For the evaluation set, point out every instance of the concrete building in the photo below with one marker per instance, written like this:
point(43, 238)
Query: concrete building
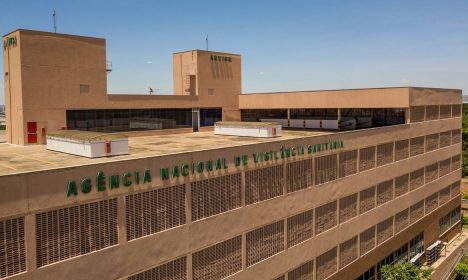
point(359, 178)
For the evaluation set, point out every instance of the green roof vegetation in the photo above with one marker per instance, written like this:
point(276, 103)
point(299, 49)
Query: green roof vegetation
point(248, 123)
point(85, 135)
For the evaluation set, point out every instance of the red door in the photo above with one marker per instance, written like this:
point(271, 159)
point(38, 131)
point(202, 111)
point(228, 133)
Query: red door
point(32, 132)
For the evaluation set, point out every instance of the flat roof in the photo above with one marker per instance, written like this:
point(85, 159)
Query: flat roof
point(24, 159)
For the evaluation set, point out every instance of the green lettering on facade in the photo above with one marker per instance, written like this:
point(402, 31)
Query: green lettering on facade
point(255, 157)
point(175, 171)
point(209, 165)
point(245, 159)
point(71, 188)
point(85, 185)
point(237, 160)
point(218, 164)
point(114, 182)
point(200, 167)
point(146, 176)
point(126, 179)
point(101, 181)
point(225, 165)
point(185, 171)
point(164, 173)
point(137, 177)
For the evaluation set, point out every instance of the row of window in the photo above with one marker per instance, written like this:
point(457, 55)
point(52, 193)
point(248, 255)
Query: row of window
point(225, 258)
point(402, 254)
point(449, 220)
point(434, 112)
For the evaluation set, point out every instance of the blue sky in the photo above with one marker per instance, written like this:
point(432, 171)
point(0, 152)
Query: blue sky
point(285, 45)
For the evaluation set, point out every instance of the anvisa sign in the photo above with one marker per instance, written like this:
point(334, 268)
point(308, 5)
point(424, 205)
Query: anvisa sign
point(10, 42)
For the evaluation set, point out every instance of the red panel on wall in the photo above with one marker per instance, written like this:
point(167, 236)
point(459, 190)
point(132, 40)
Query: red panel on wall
point(32, 127)
point(32, 138)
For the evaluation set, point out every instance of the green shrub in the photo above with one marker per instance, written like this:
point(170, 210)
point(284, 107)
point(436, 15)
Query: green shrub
point(461, 271)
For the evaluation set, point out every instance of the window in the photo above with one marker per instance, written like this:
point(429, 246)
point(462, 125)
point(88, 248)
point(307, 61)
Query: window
point(416, 245)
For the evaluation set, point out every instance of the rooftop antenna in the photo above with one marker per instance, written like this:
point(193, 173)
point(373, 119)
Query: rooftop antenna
point(206, 41)
point(55, 23)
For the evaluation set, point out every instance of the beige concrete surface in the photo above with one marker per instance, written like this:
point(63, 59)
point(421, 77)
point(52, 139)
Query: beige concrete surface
point(2, 136)
point(448, 255)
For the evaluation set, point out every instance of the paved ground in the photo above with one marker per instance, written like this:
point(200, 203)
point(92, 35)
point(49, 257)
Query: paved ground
point(2, 136)
point(19, 159)
point(445, 262)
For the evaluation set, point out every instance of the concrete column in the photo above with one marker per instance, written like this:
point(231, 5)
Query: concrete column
point(189, 267)
point(289, 117)
point(339, 118)
point(30, 240)
point(121, 223)
point(188, 204)
point(244, 251)
point(243, 188)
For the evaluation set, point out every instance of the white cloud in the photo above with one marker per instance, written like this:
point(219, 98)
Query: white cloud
point(261, 73)
point(149, 62)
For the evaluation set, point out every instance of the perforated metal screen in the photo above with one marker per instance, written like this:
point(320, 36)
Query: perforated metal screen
point(445, 139)
point(417, 113)
point(445, 111)
point(384, 153)
point(348, 251)
point(174, 270)
point(456, 110)
point(154, 211)
point(455, 189)
point(432, 112)
point(215, 195)
point(431, 172)
point(262, 184)
point(384, 230)
point(265, 242)
point(326, 168)
point(348, 207)
point(218, 261)
point(300, 228)
point(444, 195)
point(384, 192)
point(416, 146)
point(444, 167)
point(348, 163)
point(12, 247)
point(417, 179)
point(401, 185)
point(367, 158)
point(401, 220)
point(456, 136)
point(303, 272)
point(367, 240)
point(456, 163)
point(325, 217)
point(366, 200)
point(416, 211)
point(432, 142)
point(401, 149)
point(299, 175)
point(77, 230)
point(432, 202)
point(327, 264)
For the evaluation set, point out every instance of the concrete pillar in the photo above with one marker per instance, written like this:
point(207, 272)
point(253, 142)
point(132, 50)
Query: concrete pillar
point(339, 118)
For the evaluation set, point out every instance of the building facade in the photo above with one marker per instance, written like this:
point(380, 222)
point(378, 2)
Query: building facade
point(312, 204)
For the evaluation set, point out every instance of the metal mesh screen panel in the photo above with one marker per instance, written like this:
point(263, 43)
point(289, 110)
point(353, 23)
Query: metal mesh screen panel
point(348, 251)
point(299, 175)
point(445, 139)
point(366, 200)
point(432, 202)
point(265, 242)
point(456, 162)
point(154, 211)
point(455, 189)
point(445, 111)
point(432, 142)
point(416, 211)
point(416, 146)
point(326, 169)
point(262, 184)
point(401, 220)
point(325, 217)
point(348, 207)
point(384, 230)
point(432, 112)
point(416, 179)
point(77, 230)
point(218, 261)
point(367, 158)
point(456, 110)
point(12, 247)
point(401, 149)
point(444, 195)
point(431, 172)
point(384, 153)
point(456, 136)
point(384, 192)
point(174, 270)
point(444, 167)
point(348, 163)
point(417, 113)
point(300, 228)
point(367, 240)
point(327, 264)
point(303, 272)
point(401, 185)
point(215, 195)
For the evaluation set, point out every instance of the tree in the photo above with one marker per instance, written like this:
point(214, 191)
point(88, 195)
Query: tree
point(461, 270)
point(405, 271)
